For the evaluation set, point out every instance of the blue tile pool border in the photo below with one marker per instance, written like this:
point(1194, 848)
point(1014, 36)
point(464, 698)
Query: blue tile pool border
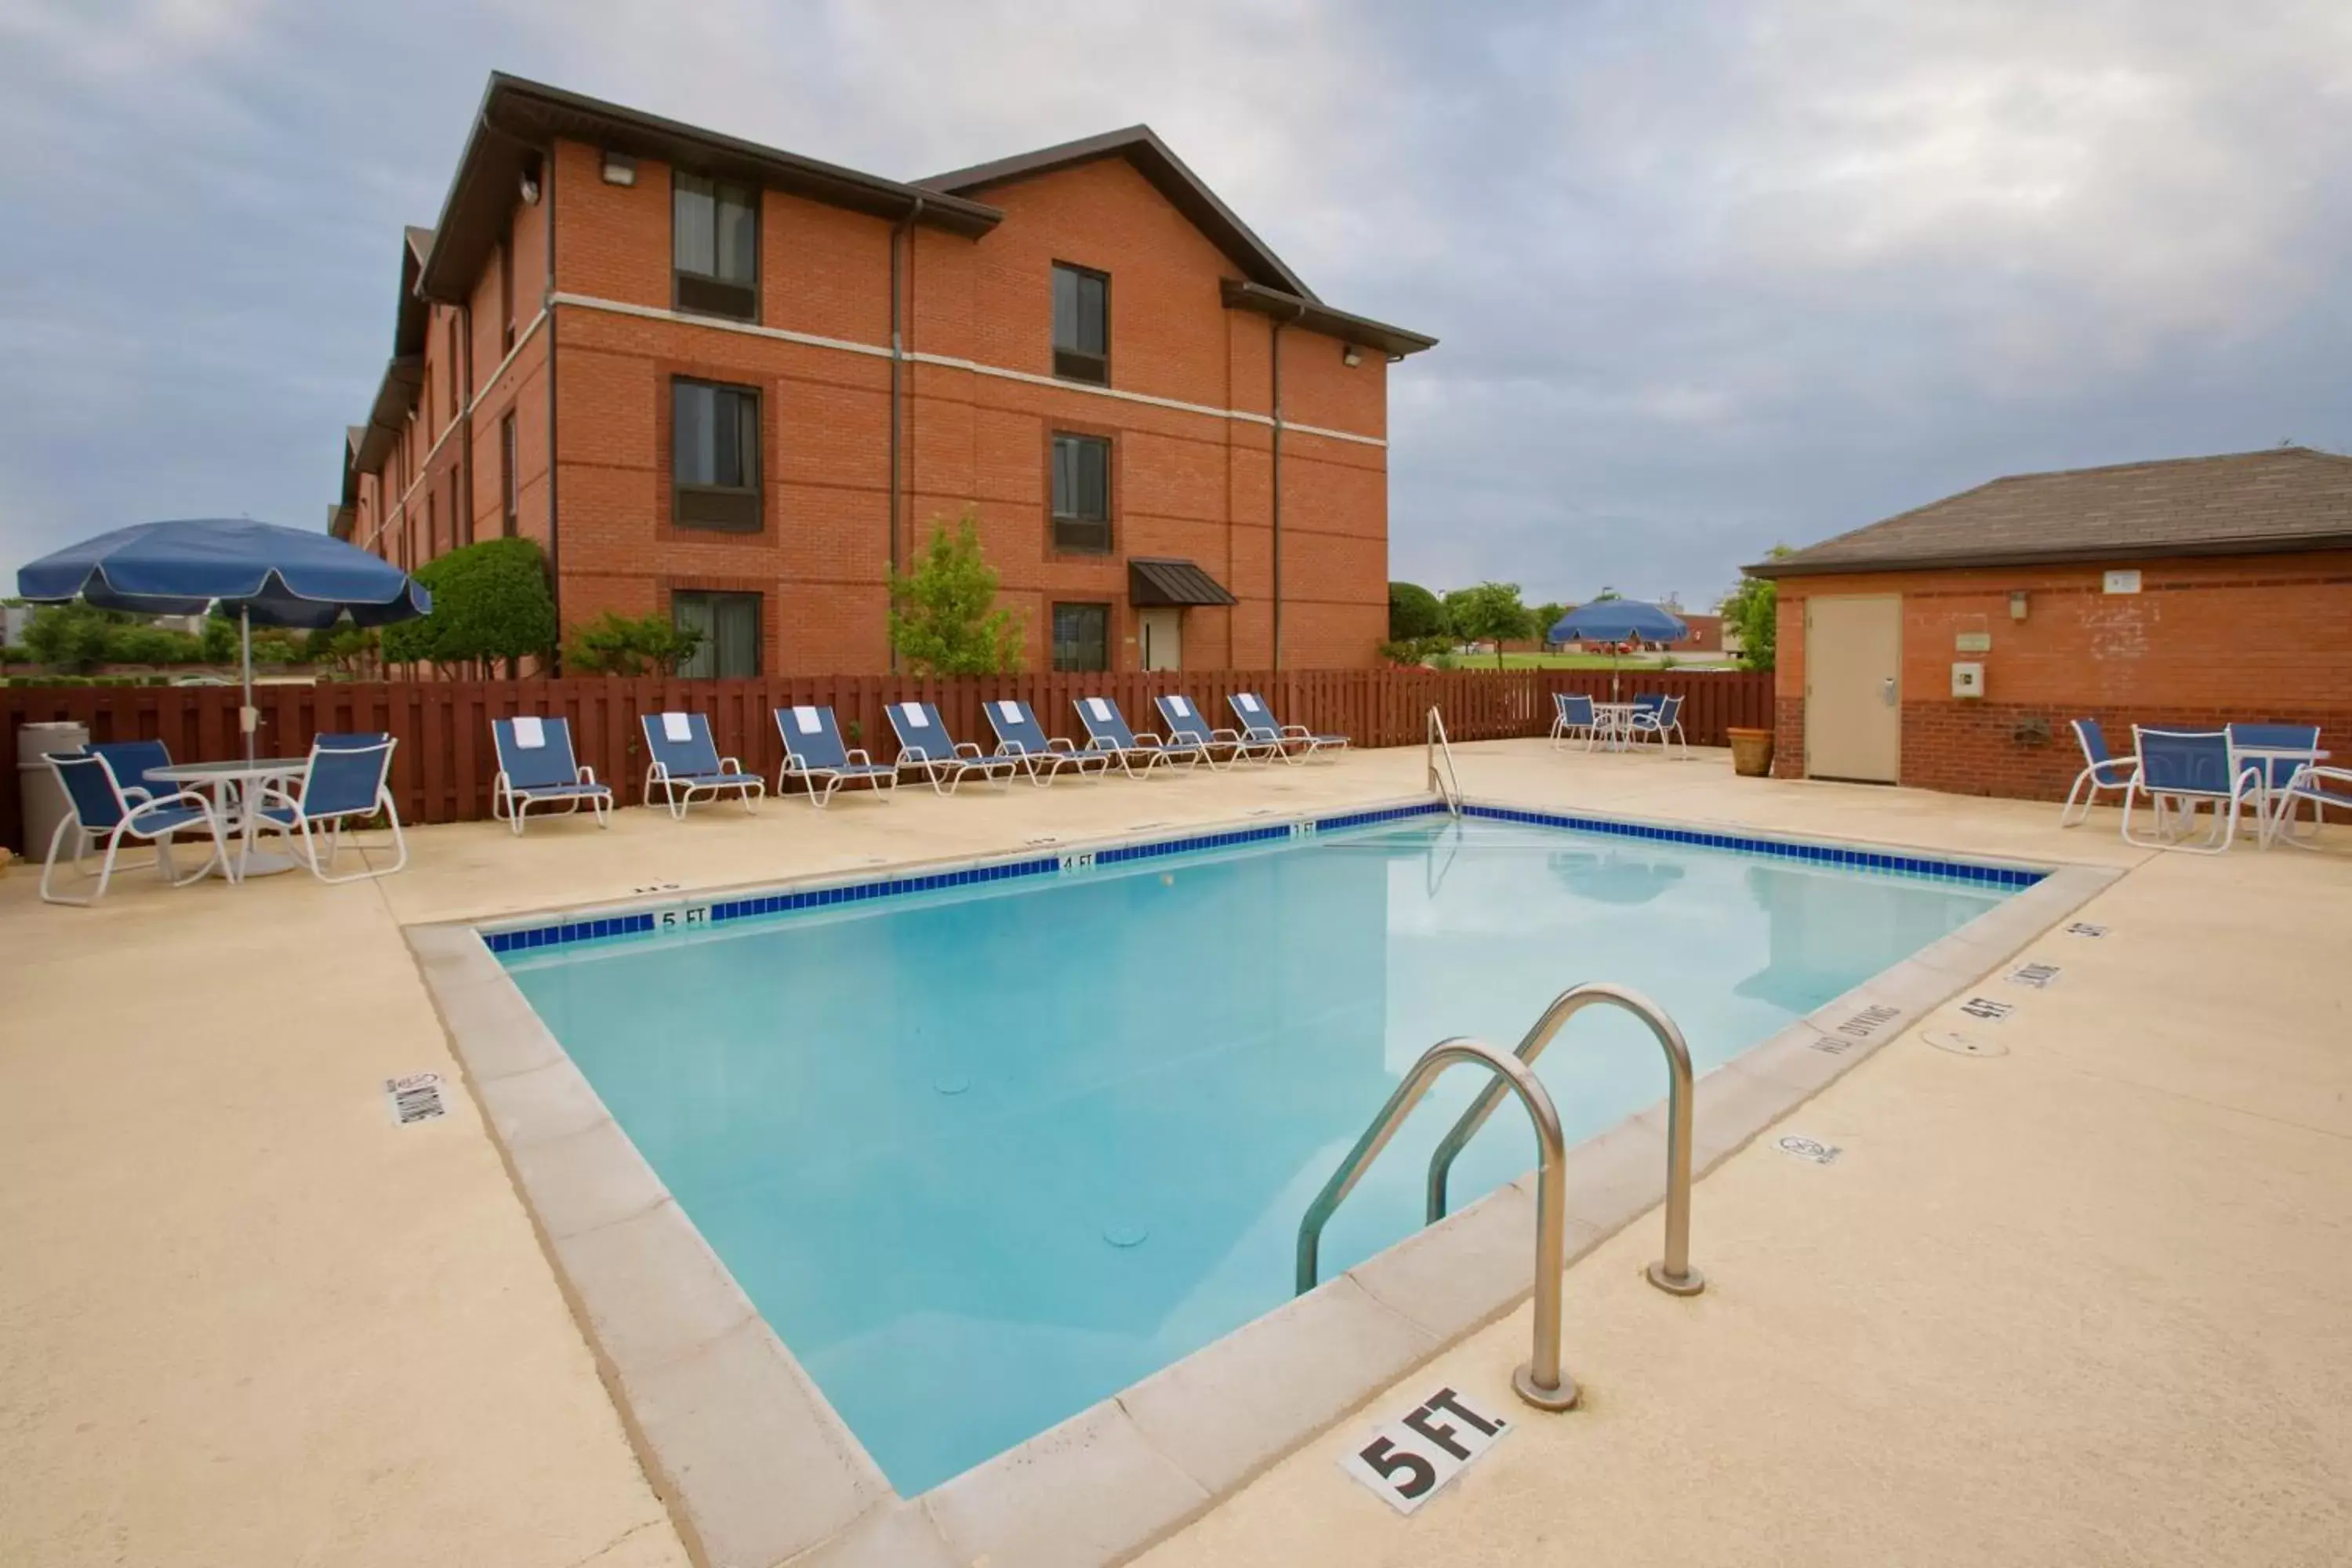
point(521, 937)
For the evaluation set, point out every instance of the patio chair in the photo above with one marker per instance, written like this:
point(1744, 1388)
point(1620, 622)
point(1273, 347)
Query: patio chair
point(2277, 772)
point(133, 762)
point(2101, 770)
point(535, 765)
point(1260, 726)
point(1662, 719)
point(1107, 733)
point(813, 753)
point(1185, 723)
point(2178, 772)
point(2323, 788)
point(346, 778)
point(1572, 715)
point(687, 765)
point(1022, 737)
point(925, 745)
point(104, 811)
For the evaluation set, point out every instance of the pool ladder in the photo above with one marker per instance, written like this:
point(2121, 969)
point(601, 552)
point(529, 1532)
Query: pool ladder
point(1446, 786)
point(1541, 1381)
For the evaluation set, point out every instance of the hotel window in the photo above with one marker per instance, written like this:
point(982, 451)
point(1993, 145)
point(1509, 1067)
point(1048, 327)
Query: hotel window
point(729, 625)
point(506, 293)
point(461, 516)
point(1081, 499)
point(507, 496)
point(715, 247)
point(714, 455)
point(1081, 325)
point(456, 390)
point(1082, 637)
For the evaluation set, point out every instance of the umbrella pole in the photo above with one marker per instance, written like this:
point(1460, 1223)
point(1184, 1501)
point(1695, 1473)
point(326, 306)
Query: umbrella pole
point(247, 718)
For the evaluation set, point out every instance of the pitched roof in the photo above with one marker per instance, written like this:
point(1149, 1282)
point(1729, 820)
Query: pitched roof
point(2242, 503)
point(1140, 146)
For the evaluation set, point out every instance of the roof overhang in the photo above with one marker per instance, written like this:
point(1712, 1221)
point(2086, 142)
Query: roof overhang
point(1317, 317)
point(2281, 544)
point(1152, 158)
point(395, 396)
point(519, 118)
point(1158, 580)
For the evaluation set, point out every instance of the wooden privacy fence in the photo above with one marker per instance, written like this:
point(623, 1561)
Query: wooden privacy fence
point(443, 765)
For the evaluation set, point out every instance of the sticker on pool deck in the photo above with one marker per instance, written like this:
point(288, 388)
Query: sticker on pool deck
point(1985, 1010)
point(2038, 975)
point(1812, 1149)
point(414, 1098)
point(2085, 928)
point(1409, 1460)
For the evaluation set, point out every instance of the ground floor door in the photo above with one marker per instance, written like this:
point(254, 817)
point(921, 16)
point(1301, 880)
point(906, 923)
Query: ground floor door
point(1162, 633)
point(1854, 687)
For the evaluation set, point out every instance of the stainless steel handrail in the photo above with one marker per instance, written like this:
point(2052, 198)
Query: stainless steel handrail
point(1540, 1382)
point(1672, 1273)
point(1447, 788)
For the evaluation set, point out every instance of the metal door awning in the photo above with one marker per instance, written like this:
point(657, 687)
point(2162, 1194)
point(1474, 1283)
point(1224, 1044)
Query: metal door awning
point(1157, 580)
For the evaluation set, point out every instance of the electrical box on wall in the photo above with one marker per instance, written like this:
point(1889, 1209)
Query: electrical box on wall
point(1968, 679)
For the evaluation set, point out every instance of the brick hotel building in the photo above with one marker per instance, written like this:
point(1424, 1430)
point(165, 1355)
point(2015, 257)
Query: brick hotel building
point(734, 386)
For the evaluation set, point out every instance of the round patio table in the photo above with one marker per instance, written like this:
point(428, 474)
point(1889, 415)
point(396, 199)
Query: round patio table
point(1616, 724)
point(246, 780)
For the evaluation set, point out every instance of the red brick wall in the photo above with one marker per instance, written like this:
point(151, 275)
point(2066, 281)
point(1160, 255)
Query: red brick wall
point(2251, 638)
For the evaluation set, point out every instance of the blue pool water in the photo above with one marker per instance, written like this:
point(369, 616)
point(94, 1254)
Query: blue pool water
point(986, 1157)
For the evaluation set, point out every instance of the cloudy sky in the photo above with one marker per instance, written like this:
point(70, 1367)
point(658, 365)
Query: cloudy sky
point(1708, 276)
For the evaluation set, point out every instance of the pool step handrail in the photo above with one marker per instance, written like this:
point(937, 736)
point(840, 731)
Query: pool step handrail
point(1540, 1382)
point(1446, 786)
point(1672, 1273)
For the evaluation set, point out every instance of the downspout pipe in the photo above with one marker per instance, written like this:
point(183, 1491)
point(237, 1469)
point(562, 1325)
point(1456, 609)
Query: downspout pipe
point(900, 274)
point(1297, 312)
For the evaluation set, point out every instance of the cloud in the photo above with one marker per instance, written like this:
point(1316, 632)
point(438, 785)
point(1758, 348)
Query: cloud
point(1706, 277)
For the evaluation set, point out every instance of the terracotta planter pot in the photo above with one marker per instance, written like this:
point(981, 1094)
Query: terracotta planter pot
point(1751, 752)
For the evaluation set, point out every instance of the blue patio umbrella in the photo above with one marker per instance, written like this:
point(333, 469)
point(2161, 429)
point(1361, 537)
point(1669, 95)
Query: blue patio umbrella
point(1616, 621)
point(257, 572)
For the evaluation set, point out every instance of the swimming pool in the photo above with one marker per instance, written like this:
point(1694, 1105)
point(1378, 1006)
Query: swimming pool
point(986, 1153)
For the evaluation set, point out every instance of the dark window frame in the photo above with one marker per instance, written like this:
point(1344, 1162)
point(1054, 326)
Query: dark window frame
point(719, 509)
point(461, 515)
point(457, 392)
point(1054, 637)
point(1066, 527)
point(1072, 362)
point(506, 292)
point(510, 483)
point(758, 603)
point(707, 287)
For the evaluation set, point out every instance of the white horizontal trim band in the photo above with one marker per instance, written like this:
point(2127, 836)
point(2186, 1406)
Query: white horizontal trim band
point(811, 340)
point(399, 507)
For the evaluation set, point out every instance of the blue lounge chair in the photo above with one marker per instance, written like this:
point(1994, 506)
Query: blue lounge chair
point(2323, 788)
point(2101, 770)
point(813, 753)
point(2179, 771)
point(1571, 716)
point(1260, 726)
point(345, 778)
point(1185, 724)
point(1022, 737)
point(1661, 717)
point(104, 812)
point(1107, 733)
point(133, 762)
point(925, 745)
point(687, 764)
point(536, 764)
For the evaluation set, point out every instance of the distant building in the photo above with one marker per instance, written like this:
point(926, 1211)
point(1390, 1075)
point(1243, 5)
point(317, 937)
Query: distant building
point(733, 385)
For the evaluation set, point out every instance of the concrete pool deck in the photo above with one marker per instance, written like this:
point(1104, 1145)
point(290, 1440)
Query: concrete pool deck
point(2080, 1302)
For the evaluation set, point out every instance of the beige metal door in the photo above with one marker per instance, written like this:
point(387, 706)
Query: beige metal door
point(1162, 632)
point(1854, 687)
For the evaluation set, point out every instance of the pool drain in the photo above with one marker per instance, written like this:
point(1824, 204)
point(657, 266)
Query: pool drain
point(1961, 1045)
point(951, 1083)
point(1124, 1233)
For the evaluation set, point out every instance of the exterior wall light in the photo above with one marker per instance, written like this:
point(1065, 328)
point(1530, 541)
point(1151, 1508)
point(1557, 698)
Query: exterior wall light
point(2017, 605)
point(1350, 357)
point(620, 169)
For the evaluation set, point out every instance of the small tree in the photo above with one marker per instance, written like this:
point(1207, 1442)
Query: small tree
point(1753, 611)
point(942, 616)
point(73, 637)
point(1543, 617)
point(222, 639)
point(615, 644)
point(1413, 613)
point(489, 602)
point(1491, 612)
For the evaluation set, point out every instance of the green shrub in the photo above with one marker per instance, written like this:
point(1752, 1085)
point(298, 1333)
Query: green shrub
point(1411, 651)
point(1753, 611)
point(614, 644)
point(1413, 613)
point(71, 637)
point(152, 645)
point(490, 602)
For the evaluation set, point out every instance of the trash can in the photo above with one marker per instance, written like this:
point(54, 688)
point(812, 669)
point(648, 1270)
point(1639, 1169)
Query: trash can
point(42, 792)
